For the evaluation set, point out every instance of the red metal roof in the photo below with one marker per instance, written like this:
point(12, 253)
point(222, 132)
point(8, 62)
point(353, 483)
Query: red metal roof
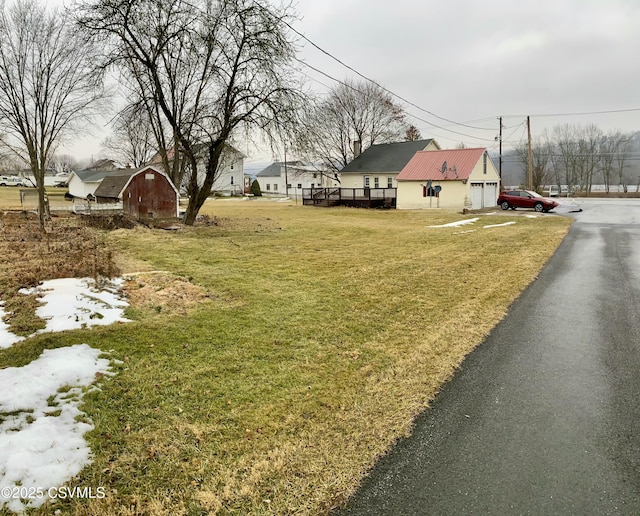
point(425, 165)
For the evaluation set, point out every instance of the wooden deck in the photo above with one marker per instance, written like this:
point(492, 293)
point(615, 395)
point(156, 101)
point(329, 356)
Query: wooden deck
point(354, 197)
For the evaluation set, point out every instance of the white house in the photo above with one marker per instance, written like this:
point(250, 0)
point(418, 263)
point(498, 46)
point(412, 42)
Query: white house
point(379, 165)
point(85, 182)
point(230, 178)
point(290, 177)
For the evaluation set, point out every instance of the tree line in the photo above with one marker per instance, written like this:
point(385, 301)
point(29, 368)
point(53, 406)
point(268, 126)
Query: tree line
point(580, 156)
point(196, 75)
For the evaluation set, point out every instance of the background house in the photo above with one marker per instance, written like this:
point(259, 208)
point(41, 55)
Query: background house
point(289, 178)
point(85, 182)
point(144, 193)
point(457, 178)
point(379, 165)
point(230, 178)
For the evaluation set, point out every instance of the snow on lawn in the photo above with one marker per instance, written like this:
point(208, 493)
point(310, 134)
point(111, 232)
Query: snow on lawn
point(73, 303)
point(41, 440)
point(7, 339)
point(470, 221)
point(456, 224)
point(499, 225)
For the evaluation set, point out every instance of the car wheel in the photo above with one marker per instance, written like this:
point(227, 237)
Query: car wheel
point(539, 207)
point(504, 205)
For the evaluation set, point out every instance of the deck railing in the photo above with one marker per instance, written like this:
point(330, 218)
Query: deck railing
point(363, 197)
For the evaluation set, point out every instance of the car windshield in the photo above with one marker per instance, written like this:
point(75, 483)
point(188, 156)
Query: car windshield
point(533, 194)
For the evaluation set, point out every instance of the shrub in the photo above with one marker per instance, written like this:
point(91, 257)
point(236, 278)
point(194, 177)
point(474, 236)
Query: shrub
point(255, 189)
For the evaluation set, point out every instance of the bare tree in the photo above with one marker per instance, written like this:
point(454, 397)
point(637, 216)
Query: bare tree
point(47, 84)
point(204, 71)
point(589, 155)
point(621, 162)
point(412, 134)
point(352, 112)
point(612, 147)
point(566, 155)
point(577, 154)
point(541, 154)
point(63, 163)
point(132, 140)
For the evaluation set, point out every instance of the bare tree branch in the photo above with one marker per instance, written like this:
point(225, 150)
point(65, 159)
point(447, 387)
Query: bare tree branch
point(48, 84)
point(204, 70)
point(352, 112)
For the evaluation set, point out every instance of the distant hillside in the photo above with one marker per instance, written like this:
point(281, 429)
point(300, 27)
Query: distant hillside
point(514, 171)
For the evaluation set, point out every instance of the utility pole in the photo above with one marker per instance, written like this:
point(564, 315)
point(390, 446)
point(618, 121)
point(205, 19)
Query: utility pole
point(500, 158)
point(286, 175)
point(529, 159)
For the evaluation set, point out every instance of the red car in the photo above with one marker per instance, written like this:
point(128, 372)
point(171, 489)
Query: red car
point(525, 199)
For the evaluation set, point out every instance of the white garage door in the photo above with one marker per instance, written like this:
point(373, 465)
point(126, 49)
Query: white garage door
point(490, 195)
point(476, 196)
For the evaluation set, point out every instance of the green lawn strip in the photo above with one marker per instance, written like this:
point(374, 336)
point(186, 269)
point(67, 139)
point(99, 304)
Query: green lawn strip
point(326, 333)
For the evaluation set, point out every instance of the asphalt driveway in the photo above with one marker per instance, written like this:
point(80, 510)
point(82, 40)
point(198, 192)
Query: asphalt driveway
point(544, 416)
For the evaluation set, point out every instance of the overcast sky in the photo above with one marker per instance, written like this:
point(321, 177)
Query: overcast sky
point(470, 62)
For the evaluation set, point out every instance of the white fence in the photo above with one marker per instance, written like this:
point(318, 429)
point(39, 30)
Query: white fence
point(83, 207)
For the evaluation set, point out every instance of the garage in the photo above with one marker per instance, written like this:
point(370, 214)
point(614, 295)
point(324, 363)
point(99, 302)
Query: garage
point(483, 195)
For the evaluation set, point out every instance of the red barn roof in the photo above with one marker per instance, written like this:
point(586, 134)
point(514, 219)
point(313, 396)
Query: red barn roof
point(428, 165)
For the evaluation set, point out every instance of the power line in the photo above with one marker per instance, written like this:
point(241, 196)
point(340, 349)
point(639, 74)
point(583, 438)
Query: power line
point(581, 113)
point(410, 114)
point(376, 83)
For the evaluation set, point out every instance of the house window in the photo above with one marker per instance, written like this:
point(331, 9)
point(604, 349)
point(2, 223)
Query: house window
point(484, 163)
point(149, 177)
point(366, 181)
point(268, 187)
point(389, 182)
point(299, 185)
point(231, 178)
point(275, 187)
point(376, 182)
point(231, 168)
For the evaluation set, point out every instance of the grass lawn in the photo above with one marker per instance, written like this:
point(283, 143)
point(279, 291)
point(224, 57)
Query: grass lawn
point(282, 349)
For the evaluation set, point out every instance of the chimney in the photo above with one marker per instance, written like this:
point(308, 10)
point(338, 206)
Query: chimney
point(356, 148)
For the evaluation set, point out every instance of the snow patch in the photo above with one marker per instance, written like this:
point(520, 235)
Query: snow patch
point(499, 225)
point(456, 224)
point(7, 339)
point(74, 303)
point(41, 438)
point(567, 206)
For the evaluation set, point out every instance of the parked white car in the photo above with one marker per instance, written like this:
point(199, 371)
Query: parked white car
point(11, 181)
point(564, 191)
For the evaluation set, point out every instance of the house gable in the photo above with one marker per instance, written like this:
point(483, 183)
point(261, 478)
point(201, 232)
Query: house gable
point(442, 165)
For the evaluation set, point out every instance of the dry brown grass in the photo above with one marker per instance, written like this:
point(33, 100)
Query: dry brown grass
point(68, 248)
point(317, 336)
